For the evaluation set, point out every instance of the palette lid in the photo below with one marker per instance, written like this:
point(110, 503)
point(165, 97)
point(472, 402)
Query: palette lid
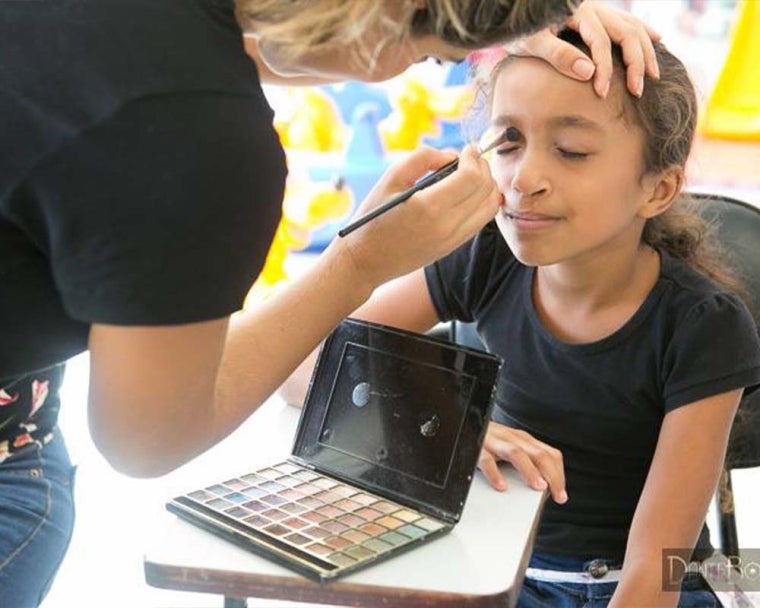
point(398, 414)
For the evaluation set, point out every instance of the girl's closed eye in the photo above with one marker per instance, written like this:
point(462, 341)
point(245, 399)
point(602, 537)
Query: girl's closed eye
point(572, 154)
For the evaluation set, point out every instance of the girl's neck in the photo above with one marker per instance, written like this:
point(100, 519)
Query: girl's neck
point(587, 300)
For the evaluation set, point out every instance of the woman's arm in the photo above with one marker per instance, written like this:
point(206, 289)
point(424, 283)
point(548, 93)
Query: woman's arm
point(676, 496)
point(159, 396)
point(404, 302)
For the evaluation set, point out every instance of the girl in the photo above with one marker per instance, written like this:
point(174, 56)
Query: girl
point(626, 348)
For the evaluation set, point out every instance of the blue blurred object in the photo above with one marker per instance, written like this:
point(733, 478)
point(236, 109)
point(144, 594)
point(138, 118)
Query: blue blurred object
point(361, 166)
point(348, 96)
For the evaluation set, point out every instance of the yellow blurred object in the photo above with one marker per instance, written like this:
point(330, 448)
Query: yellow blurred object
point(303, 211)
point(314, 125)
point(412, 119)
point(733, 110)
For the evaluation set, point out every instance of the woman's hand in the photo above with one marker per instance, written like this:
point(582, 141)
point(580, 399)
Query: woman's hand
point(599, 26)
point(426, 227)
point(539, 464)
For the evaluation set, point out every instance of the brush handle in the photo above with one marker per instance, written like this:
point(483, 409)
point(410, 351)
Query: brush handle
point(423, 183)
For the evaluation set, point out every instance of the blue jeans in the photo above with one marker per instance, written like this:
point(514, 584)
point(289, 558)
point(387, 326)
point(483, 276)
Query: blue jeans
point(36, 520)
point(540, 594)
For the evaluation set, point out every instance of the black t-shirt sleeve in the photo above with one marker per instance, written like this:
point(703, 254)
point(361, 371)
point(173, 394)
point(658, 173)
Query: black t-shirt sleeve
point(164, 212)
point(459, 283)
point(714, 349)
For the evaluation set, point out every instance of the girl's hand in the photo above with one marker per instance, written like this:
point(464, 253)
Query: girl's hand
point(599, 26)
point(539, 464)
point(427, 226)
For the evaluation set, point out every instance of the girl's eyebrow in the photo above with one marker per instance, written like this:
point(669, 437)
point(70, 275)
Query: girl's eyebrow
point(575, 121)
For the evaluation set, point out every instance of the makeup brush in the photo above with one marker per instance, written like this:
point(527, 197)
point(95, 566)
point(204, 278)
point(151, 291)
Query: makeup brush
point(509, 134)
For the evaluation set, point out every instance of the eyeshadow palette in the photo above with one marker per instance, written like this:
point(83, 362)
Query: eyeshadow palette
point(384, 455)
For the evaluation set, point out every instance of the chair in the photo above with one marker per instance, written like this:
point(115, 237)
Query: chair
point(738, 227)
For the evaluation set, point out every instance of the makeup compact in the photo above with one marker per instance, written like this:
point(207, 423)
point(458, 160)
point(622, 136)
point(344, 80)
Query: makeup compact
point(383, 459)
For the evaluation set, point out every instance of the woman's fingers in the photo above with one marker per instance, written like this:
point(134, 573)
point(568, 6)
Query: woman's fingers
point(599, 26)
point(429, 224)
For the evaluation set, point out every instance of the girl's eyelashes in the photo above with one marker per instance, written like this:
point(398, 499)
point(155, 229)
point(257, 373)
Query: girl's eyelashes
point(572, 155)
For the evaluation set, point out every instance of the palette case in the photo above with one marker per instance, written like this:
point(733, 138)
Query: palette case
point(383, 459)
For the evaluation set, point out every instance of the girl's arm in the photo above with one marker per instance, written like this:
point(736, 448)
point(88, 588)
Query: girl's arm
point(404, 302)
point(672, 508)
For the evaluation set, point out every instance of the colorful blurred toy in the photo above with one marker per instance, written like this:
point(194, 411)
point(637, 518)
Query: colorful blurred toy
point(733, 109)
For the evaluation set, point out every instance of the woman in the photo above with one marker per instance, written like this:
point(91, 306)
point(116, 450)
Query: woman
point(141, 185)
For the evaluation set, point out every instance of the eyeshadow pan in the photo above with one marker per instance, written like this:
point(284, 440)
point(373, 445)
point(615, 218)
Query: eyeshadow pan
point(272, 486)
point(291, 494)
point(257, 521)
point(313, 517)
point(253, 492)
point(355, 536)
point(345, 491)
point(295, 523)
point(359, 552)
point(293, 507)
point(377, 545)
point(319, 549)
point(305, 475)
point(269, 473)
point(287, 468)
point(275, 514)
point(327, 496)
point(251, 478)
point(273, 499)
point(341, 559)
point(218, 489)
point(334, 526)
point(307, 489)
point(364, 499)
point(336, 542)
point(407, 515)
point(394, 539)
point(325, 483)
point(237, 512)
point(235, 484)
point(351, 520)
point(390, 522)
point(201, 495)
point(411, 531)
point(330, 511)
point(348, 505)
point(373, 529)
point(310, 503)
point(317, 532)
point(218, 503)
point(385, 507)
point(276, 530)
point(429, 524)
point(255, 505)
point(297, 539)
point(237, 497)
point(369, 514)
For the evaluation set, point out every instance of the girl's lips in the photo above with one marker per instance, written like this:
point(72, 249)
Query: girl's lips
point(530, 221)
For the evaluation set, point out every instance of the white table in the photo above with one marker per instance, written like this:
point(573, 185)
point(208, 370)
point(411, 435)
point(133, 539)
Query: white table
point(481, 562)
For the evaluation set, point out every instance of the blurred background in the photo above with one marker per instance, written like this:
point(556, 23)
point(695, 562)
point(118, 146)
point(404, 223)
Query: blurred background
point(339, 139)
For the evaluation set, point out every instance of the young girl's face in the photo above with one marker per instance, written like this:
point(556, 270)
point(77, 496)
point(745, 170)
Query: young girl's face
point(572, 180)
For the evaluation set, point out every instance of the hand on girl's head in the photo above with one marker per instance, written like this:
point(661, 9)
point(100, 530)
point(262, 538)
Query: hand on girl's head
point(540, 465)
point(599, 26)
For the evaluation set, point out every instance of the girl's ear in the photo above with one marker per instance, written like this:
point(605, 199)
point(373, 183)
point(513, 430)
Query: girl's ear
point(662, 189)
